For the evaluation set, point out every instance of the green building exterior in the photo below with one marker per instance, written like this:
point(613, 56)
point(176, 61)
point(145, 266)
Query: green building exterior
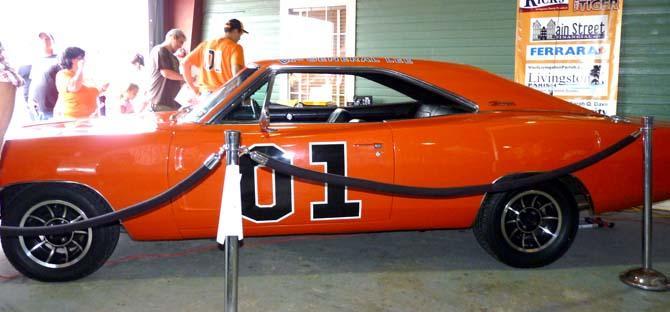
point(480, 33)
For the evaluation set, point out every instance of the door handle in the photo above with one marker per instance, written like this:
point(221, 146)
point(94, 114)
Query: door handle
point(373, 145)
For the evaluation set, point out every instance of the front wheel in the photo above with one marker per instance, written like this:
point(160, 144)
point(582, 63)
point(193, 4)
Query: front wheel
point(62, 257)
point(527, 228)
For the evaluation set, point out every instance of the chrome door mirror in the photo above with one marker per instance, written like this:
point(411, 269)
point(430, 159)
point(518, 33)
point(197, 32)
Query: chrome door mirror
point(264, 121)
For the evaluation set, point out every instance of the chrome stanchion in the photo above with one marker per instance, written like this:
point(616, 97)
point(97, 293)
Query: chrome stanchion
point(645, 277)
point(231, 244)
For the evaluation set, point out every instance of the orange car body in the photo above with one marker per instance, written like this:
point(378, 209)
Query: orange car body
point(515, 130)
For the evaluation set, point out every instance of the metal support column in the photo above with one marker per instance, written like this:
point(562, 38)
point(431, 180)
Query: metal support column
point(645, 277)
point(231, 246)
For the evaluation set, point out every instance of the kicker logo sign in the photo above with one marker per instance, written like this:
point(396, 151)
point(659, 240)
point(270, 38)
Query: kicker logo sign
point(542, 5)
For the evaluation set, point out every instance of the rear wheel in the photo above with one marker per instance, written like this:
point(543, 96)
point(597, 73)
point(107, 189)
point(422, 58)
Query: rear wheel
point(527, 228)
point(61, 257)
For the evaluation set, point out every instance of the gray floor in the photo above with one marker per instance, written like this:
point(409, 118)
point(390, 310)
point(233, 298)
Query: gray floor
point(405, 271)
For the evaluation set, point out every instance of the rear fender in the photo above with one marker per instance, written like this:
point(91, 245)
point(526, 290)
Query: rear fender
point(569, 183)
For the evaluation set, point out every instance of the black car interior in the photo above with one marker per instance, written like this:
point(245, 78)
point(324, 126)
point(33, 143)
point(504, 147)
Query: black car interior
point(426, 103)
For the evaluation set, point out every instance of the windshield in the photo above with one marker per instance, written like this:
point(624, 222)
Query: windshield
point(197, 111)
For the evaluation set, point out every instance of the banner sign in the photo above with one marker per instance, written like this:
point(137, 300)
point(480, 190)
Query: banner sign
point(570, 49)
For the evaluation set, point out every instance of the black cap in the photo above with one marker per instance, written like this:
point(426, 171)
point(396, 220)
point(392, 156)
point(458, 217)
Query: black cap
point(235, 24)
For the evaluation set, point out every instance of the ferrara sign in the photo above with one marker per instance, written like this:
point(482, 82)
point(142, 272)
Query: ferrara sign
point(542, 5)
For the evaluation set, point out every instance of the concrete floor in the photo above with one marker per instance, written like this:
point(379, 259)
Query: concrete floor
point(403, 271)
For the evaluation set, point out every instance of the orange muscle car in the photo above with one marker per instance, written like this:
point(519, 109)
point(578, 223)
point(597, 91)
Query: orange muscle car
point(418, 123)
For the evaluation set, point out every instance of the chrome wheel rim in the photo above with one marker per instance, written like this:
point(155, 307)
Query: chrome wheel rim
point(55, 251)
point(531, 221)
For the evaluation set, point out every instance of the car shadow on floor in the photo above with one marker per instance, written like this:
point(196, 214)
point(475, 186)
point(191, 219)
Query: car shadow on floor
point(411, 251)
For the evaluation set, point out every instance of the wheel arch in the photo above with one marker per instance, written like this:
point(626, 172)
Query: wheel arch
point(569, 183)
point(8, 193)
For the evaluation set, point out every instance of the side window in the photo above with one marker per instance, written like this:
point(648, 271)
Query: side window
point(250, 106)
point(303, 97)
point(369, 92)
point(311, 90)
point(258, 97)
point(300, 90)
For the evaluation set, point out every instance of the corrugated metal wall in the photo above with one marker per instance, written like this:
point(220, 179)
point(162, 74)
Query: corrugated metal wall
point(480, 33)
point(644, 74)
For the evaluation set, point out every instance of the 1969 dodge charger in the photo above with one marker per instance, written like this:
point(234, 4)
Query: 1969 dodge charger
point(392, 120)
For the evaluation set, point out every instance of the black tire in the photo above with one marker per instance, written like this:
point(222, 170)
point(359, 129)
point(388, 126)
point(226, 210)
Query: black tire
point(58, 258)
point(527, 237)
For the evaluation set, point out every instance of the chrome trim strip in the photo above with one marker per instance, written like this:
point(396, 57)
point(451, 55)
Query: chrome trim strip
point(620, 119)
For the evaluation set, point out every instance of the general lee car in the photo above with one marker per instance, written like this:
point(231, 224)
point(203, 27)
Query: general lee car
point(421, 123)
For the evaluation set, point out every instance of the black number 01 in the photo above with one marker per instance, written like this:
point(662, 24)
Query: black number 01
point(331, 155)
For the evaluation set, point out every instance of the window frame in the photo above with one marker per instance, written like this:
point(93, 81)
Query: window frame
point(271, 72)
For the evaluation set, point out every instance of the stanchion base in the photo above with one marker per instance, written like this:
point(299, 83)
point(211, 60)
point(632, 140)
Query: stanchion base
point(647, 279)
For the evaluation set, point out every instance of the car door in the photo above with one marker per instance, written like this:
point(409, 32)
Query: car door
point(274, 203)
point(441, 151)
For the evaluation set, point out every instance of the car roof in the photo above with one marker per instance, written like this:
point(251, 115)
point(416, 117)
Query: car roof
point(487, 90)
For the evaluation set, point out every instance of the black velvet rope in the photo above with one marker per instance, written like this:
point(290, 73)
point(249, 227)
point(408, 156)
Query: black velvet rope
point(502, 186)
point(128, 212)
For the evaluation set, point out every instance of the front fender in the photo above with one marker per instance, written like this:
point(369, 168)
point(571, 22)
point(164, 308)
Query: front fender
point(123, 169)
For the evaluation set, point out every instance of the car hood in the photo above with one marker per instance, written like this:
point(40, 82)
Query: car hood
point(117, 125)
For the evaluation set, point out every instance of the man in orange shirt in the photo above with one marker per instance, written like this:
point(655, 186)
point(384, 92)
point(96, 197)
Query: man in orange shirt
point(218, 60)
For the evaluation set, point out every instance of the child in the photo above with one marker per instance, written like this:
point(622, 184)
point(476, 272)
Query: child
point(125, 102)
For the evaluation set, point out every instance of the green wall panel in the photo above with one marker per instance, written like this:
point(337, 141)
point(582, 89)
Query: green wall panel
point(479, 33)
point(644, 75)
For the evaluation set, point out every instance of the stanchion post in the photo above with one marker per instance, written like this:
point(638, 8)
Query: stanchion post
point(648, 125)
point(231, 246)
point(646, 277)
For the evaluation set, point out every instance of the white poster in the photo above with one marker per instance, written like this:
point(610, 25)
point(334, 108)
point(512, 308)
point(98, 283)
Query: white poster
point(570, 49)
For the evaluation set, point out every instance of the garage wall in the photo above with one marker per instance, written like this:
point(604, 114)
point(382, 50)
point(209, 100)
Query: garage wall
point(432, 29)
point(644, 76)
point(480, 33)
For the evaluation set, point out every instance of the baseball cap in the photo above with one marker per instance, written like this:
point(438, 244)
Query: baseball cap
point(235, 24)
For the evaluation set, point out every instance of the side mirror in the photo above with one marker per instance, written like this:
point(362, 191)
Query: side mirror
point(264, 121)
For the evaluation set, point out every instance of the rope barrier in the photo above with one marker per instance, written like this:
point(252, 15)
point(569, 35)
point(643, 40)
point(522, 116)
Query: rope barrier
point(263, 159)
point(501, 186)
